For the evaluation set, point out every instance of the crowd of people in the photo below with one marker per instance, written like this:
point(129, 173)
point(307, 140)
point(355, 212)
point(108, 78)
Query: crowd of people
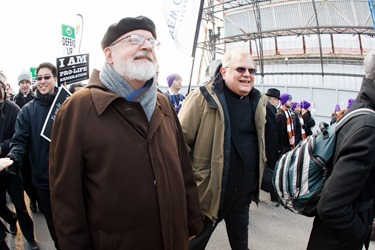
point(129, 167)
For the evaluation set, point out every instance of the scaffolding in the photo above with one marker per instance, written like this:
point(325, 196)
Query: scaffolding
point(318, 30)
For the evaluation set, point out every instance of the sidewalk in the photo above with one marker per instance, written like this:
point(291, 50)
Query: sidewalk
point(271, 228)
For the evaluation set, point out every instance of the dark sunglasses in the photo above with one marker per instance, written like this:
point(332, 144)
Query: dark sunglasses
point(39, 78)
point(242, 70)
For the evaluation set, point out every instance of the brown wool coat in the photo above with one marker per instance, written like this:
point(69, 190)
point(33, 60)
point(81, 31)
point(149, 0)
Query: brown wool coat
point(117, 181)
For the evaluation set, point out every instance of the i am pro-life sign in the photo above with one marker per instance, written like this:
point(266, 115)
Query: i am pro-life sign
point(72, 69)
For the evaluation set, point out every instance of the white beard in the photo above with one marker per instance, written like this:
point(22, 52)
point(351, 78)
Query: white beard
point(133, 69)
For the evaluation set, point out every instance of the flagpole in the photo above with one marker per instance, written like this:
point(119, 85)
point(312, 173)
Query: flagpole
point(80, 39)
point(195, 42)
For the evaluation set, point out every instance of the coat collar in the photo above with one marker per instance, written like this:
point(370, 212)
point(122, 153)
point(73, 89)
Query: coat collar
point(101, 96)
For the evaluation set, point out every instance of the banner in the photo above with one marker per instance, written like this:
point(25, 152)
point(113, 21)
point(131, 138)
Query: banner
point(372, 11)
point(72, 69)
point(183, 19)
point(72, 35)
point(62, 94)
point(68, 40)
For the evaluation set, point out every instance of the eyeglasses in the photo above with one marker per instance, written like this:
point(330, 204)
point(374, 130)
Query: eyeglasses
point(242, 70)
point(47, 77)
point(136, 39)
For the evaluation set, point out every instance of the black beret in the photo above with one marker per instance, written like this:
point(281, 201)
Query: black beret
point(126, 25)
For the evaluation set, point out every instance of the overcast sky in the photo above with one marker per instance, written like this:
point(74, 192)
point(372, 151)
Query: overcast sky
point(31, 33)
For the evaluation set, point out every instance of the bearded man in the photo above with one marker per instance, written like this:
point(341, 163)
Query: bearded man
point(120, 172)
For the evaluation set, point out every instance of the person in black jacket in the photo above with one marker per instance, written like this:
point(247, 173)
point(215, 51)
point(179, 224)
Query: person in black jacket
point(308, 120)
point(24, 96)
point(298, 124)
point(285, 128)
point(27, 138)
point(25, 93)
point(272, 155)
point(345, 209)
point(11, 182)
point(4, 163)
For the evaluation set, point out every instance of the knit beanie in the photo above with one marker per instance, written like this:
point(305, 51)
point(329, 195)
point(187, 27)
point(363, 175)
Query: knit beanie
point(284, 98)
point(294, 105)
point(305, 104)
point(171, 78)
point(3, 79)
point(337, 108)
point(126, 25)
point(350, 102)
point(25, 75)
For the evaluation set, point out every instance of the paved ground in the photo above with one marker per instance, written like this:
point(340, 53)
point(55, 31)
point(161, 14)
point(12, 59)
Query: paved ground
point(271, 228)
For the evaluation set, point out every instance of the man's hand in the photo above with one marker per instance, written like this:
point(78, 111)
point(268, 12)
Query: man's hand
point(5, 162)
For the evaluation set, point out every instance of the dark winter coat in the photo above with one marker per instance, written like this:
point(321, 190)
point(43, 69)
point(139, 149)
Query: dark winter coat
point(118, 181)
point(309, 123)
point(282, 133)
point(297, 127)
point(21, 100)
point(27, 138)
point(272, 154)
point(8, 116)
point(345, 208)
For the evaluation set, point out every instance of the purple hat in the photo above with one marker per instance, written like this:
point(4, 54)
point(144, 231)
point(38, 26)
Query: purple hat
point(305, 104)
point(350, 102)
point(284, 98)
point(294, 105)
point(337, 108)
point(171, 78)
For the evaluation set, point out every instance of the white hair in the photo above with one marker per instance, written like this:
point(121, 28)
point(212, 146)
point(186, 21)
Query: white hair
point(369, 65)
point(232, 55)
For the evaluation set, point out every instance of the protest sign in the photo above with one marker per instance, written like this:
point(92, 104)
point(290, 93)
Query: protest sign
point(62, 94)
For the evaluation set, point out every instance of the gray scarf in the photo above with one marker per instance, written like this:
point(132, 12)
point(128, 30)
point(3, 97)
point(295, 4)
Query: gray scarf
point(114, 82)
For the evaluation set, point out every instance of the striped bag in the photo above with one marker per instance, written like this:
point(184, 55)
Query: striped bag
point(300, 174)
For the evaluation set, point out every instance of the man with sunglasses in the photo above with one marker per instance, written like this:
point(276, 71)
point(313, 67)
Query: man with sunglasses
point(120, 173)
point(27, 139)
point(224, 127)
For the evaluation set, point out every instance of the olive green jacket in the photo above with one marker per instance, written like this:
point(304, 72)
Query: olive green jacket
point(205, 124)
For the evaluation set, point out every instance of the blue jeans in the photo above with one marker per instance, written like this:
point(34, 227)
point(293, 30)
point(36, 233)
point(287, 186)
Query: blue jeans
point(237, 224)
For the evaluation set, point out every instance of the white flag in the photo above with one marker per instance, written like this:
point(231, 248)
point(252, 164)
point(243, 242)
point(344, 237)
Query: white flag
point(182, 18)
